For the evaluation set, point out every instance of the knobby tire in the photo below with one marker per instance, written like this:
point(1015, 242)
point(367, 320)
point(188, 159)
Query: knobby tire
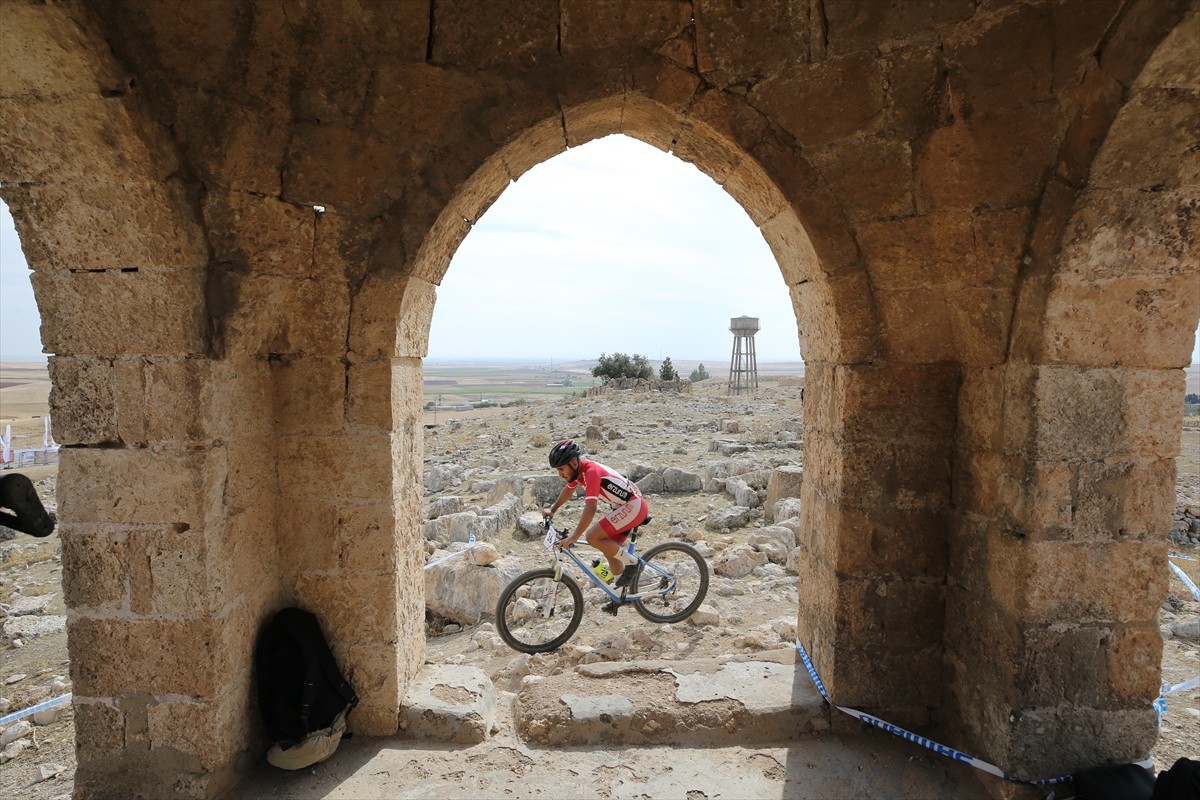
point(521, 625)
point(691, 572)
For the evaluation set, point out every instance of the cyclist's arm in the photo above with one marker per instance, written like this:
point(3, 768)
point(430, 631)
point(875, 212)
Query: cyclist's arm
point(585, 521)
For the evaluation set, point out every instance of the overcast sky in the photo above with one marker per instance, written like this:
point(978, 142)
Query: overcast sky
point(610, 247)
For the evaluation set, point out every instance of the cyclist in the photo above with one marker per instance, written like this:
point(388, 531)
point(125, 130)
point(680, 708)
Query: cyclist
point(599, 482)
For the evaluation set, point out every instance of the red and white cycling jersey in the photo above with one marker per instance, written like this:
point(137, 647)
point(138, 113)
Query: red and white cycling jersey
point(601, 482)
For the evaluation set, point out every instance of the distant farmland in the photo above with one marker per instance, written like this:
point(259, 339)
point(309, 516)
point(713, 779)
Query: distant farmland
point(455, 384)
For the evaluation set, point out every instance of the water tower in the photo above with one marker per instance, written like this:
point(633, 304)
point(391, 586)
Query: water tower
point(743, 365)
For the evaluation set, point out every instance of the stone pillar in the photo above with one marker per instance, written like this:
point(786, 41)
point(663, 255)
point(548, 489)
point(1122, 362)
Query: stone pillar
point(168, 553)
point(1062, 566)
point(875, 511)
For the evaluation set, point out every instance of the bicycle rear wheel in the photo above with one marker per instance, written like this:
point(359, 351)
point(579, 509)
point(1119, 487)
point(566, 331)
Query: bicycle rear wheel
point(679, 574)
point(536, 613)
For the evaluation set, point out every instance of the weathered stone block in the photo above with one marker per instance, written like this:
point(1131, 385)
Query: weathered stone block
point(1079, 732)
point(1172, 66)
point(856, 106)
point(901, 543)
point(1103, 413)
point(1047, 582)
point(873, 177)
point(1121, 321)
point(373, 671)
point(852, 27)
point(589, 25)
point(177, 557)
point(117, 312)
point(267, 236)
point(915, 325)
point(310, 395)
point(785, 482)
point(355, 608)
point(391, 318)
point(840, 322)
point(133, 486)
point(1108, 500)
point(1134, 665)
point(188, 726)
point(83, 400)
point(480, 37)
point(100, 728)
point(304, 467)
point(979, 323)
point(157, 656)
point(1005, 64)
point(95, 562)
point(726, 33)
point(972, 162)
point(277, 315)
point(366, 539)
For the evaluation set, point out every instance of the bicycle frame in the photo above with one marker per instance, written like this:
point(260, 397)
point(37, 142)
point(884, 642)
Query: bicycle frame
point(553, 536)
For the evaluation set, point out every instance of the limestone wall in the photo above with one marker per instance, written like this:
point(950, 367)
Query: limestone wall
point(238, 214)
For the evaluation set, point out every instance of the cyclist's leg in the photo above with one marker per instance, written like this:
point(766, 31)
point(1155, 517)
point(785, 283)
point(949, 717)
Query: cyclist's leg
point(610, 532)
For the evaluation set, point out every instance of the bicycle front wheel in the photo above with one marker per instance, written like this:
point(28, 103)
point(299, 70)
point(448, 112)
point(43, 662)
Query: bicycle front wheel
point(536, 613)
point(675, 579)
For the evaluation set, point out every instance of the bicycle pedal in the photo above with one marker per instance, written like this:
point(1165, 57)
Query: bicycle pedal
point(610, 607)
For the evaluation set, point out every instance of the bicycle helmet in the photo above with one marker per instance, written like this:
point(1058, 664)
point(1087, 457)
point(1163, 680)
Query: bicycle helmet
point(563, 452)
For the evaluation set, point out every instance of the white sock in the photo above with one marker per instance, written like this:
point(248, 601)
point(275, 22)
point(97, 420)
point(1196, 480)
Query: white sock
point(626, 558)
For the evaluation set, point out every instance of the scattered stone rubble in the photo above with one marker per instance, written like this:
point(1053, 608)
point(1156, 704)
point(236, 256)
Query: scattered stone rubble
point(1185, 523)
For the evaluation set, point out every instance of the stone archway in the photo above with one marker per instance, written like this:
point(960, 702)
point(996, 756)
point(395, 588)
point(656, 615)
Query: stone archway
point(1075, 435)
point(216, 338)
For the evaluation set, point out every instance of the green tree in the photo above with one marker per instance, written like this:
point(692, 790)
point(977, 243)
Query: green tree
point(698, 374)
point(1192, 399)
point(619, 365)
point(667, 371)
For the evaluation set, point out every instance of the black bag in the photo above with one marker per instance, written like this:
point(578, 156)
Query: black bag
point(1180, 782)
point(1119, 782)
point(300, 689)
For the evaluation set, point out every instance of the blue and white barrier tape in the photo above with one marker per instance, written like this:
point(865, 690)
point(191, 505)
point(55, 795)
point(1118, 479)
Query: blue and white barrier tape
point(1181, 558)
point(930, 744)
point(1183, 576)
point(1160, 708)
point(28, 712)
point(1185, 686)
point(470, 549)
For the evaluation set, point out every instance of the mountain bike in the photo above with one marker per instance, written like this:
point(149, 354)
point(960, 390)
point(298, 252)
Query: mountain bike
point(542, 608)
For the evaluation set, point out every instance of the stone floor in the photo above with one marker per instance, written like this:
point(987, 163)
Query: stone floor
point(692, 730)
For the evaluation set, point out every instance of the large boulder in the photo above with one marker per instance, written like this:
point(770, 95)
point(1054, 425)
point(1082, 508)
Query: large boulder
point(738, 561)
point(743, 493)
point(786, 508)
point(456, 527)
point(503, 514)
point(651, 484)
point(678, 480)
point(775, 541)
point(530, 524)
point(546, 489)
point(464, 591)
point(441, 506)
point(734, 517)
point(440, 477)
point(784, 483)
point(508, 485)
point(638, 471)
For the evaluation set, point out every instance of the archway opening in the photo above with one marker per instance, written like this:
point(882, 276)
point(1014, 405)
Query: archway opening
point(612, 247)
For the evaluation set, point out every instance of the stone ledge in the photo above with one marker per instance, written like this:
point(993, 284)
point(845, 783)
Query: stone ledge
point(449, 703)
point(765, 697)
